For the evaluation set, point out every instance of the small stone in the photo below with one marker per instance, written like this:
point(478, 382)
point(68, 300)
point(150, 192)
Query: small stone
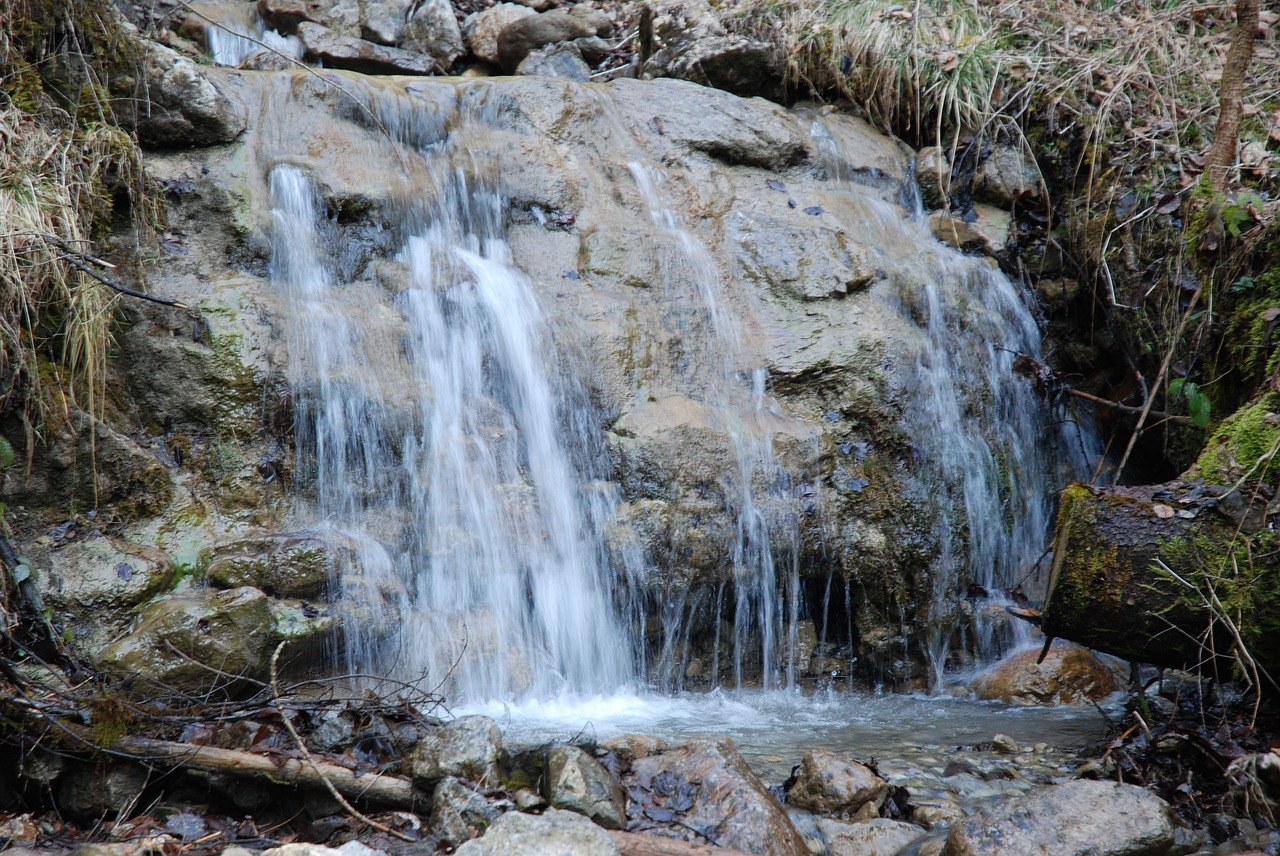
point(466, 748)
point(829, 783)
point(562, 60)
point(527, 800)
point(575, 781)
point(1004, 744)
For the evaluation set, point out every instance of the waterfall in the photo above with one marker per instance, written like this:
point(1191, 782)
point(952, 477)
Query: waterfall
point(440, 418)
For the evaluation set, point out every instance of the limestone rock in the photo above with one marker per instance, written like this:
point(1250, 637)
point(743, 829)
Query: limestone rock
point(576, 782)
point(986, 230)
point(94, 793)
point(563, 833)
point(933, 175)
point(629, 747)
point(338, 51)
point(287, 565)
point(1072, 819)
point(383, 21)
point(798, 260)
point(1008, 175)
point(1003, 744)
point(687, 40)
point(562, 60)
point(179, 106)
point(728, 798)
point(728, 128)
point(829, 783)
point(878, 837)
point(481, 29)
point(178, 638)
point(1070, 674)
point(467, 748)
point(459, 813)
point(526, 34)
point(433, 30)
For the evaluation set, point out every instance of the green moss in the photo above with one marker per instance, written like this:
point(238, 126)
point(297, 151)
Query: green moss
point(1239, 442)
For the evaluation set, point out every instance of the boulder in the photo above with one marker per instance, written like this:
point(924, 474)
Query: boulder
point(707, 785)
point(1072, 819)
point(576, 782)
point(1070, 674)
point(294, 565)
point(524, 35)
point(433, 30)
point(196, 642)
point(94, 793)
point(562, 60)
point(335, 50)
point(459, 813)
point(829, 783)
point(685, 39)
point(466, 748)
point(481, 29)
point(984, 229)
point(383, 21)
point(563, 833)
point(878, 837)
point(179, 106)
point(1008, 175)
point(284, 16)
point(629, 747)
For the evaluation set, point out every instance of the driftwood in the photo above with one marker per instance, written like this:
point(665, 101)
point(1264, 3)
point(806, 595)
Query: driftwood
point(1160, 574)
point(370, 788)
point(634, 844)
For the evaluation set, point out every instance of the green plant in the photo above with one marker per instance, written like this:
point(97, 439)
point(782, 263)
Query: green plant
point(1199, 407)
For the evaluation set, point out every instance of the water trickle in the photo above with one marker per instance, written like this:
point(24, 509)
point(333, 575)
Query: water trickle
point(438, 419)
point(241, 33)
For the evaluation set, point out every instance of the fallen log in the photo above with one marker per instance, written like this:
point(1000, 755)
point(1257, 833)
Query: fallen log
point(370, 788)
point(634, 844)
point(1161, 574)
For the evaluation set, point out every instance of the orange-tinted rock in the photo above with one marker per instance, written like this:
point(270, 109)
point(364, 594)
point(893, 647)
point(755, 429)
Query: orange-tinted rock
point(1070, 674)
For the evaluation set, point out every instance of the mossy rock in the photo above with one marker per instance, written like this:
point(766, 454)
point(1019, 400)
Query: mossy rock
point(288, 565)
point(1240, 443)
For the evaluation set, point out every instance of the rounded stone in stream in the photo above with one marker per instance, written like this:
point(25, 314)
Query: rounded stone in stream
point(1078, 818)
point(829, 783)
point(467, 748)
point(562, 833)
point(1070, 674)
point(575, 781)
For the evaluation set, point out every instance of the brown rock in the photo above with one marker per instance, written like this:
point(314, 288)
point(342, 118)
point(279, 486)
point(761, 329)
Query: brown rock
point(829, 783)
point(987, 232)
point(1070, 674)
point(338, 51)
point(481, 29)
point(517, 40)
point(730, 802)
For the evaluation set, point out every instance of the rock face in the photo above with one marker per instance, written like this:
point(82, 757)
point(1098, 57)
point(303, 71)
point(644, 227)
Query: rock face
point(707, 785)
point(1070, 674)
point(560, 832)
point(577, 783)
point(829, 783)
point(1072, 819)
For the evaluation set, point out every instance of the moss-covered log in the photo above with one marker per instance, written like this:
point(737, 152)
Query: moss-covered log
point(1149, 573)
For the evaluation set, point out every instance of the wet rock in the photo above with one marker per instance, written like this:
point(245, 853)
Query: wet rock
point(562, 60)
point(1003, 744)
point(878, 837)
point(196, 642)
point(563, 833)
point(629, 747)
point(459, 813)
point(987, 230)
point(526, 34)
point(335, 50)
point(852, 150)
point(94, 793)
point(284, 16)
point(287, 565)
point(95, 584)
point(481, 29)
point(726, 798)
point(1070, 674)
point(433, 30)
point(933, 815)
point(798, 261)
point(933, 175)
point(179, 106)
point(1073, 819)
point(1008, 175)
point(383, 21)
point(726, 127)
point(829, 783)
point(467, 748)
point(687, 40)
point(576, 782)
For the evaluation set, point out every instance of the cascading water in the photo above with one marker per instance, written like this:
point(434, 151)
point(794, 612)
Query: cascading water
point(487, 531)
